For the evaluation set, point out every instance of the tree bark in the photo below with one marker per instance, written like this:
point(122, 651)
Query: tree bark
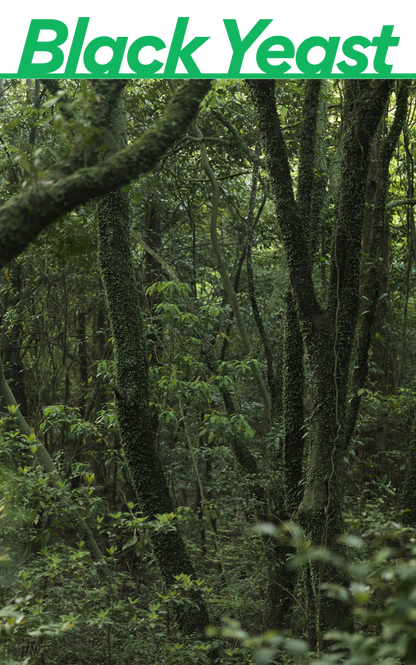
point(327, 333)
point(376, 213)
point(75, 179)
point(131, 393)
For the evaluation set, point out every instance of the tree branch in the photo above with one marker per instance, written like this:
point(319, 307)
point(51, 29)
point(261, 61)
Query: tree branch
point(24, 216)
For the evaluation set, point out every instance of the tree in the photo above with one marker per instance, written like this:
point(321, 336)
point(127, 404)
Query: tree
point(71, 183)
point(246, 389)
point(328, 332)
point(132, 379)
point(123, 299)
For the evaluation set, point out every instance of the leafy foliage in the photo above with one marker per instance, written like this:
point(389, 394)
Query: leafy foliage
point(58, 604)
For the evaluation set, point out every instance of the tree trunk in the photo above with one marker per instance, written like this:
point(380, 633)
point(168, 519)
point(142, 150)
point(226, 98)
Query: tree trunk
point(131, 393)
point(329, 333)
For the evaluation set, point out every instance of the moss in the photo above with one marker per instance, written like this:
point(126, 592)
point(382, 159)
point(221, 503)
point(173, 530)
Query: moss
point(292, 407)
point(132, 381)
point(328, 334)
point(70, 183)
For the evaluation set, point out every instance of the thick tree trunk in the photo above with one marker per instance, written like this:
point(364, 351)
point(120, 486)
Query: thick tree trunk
point(288, 462)
point(131, 393)
point(329, 333)
point(320, 512)
point(376, 220)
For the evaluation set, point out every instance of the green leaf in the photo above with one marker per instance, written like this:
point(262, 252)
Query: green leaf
point(266, 528)
point(130, 542)
point(351, 540)
point(264, 656)
point(296, 647)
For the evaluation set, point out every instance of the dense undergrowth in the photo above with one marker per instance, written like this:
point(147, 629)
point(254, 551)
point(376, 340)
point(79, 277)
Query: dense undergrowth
point(60, 606)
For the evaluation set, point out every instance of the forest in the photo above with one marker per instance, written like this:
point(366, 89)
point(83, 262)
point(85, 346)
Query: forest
point(207, 371)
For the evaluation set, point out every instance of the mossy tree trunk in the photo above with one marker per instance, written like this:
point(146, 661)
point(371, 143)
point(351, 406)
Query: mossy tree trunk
point(372, 268)
point(374, 317)
point(328, 333)
point(288, 464)
point(131, 393)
